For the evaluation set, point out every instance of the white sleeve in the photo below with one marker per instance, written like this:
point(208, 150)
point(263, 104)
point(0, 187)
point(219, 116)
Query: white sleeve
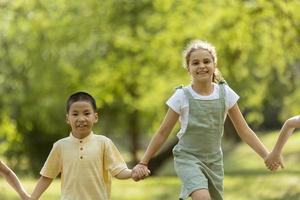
point(175, 102)
point(231, 96)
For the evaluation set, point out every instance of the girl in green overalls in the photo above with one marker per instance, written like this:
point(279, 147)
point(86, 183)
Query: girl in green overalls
point(202, 107)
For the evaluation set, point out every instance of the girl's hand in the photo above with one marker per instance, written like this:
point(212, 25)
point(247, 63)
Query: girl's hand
point(273, 161)
point(139, 172)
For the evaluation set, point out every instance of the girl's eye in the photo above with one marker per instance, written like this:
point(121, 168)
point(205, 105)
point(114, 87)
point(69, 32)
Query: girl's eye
point(74, 114)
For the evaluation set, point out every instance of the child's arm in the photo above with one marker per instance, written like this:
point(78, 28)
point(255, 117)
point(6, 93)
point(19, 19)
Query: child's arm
point(285, 132)
point(124, 174)
point(42, 184)
point(156, 142)
point(128, 173)
point(246, 133)
point(13, 180)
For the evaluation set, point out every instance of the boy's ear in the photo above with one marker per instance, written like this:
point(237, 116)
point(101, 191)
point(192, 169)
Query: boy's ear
point(96, 117)
point(67, 119)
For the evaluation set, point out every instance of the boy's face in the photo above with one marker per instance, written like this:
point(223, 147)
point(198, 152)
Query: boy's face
point(81, 118)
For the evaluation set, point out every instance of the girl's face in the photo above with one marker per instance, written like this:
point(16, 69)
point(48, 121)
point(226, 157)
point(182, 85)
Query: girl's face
point(81, 118)
point(201, 66)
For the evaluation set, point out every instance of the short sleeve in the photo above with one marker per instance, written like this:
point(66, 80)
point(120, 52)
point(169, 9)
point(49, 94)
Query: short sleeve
point(175, 102)
point(231, 96)
point(52, 166)
point(113, 159)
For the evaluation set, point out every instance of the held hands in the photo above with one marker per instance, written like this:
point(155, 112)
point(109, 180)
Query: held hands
point(140, 171)
point(273, 161)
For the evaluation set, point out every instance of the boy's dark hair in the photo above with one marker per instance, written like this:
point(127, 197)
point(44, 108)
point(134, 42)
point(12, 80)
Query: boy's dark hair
point(81, 96)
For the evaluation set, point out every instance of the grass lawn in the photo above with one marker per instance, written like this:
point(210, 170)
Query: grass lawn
point(246, 178)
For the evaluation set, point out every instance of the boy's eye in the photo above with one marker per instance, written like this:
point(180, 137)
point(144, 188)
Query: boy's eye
point(206, 61)
point(74, 114)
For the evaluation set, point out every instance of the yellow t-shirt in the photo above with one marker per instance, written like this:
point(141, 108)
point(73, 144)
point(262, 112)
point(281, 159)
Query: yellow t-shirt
point(86, 166)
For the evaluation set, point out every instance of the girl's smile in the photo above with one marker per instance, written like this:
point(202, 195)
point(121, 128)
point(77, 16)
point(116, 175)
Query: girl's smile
point(201, 65)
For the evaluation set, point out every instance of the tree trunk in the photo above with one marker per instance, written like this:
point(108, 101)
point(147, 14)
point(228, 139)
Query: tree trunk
point(133, 131)
point(230, 132)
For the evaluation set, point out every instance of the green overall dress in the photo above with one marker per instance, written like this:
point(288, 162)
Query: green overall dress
point(198, 158)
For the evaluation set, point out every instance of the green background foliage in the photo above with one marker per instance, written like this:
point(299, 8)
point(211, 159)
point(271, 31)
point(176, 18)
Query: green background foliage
point(128, 54)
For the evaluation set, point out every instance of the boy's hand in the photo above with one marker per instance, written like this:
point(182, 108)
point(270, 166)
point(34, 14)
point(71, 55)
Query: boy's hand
point(273, 161)
point(140, 172)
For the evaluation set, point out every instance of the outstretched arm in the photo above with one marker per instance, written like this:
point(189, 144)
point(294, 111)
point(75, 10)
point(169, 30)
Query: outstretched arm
point(124, 174)
point(246, 133)
point(42, 184)
point(128, 173)
point(156, 142)
point(13, 180)
point(285, 132)
point(161, 135)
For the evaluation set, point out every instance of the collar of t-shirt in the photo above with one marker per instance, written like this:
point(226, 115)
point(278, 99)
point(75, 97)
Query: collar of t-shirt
point(213, 95)
point(82, 140)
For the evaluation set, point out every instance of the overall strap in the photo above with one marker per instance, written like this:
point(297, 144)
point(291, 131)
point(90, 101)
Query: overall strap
point(222, 98)
point(222, 90)
point(187, 93)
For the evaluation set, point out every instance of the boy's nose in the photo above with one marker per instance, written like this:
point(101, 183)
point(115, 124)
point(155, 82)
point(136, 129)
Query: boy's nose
point(81, 118)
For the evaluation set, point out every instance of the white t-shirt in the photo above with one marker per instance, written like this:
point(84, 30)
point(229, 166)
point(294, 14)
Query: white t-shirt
point(180, 103)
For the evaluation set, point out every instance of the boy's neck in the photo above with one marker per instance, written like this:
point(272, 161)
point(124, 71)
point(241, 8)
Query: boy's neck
point(80, 136)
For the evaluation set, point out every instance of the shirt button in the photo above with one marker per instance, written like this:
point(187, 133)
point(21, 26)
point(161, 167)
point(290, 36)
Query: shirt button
point(81, 148)
point(81, 157)
point(80, 141)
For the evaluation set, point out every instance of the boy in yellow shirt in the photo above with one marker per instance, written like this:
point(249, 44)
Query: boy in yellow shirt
point(13, 180)
point(86, 161)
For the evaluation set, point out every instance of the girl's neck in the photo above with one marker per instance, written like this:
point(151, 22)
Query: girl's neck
point(203, 89)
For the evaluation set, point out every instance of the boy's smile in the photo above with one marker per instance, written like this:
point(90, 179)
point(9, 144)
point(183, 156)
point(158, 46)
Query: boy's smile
point(81, 118)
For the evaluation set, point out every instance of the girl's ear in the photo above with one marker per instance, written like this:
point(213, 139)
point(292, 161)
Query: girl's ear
point(188, 68)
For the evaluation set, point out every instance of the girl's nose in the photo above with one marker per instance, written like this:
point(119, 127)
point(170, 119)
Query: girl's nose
point(201, 65)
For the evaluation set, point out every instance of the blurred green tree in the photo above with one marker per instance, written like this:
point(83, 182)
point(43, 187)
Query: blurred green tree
point(128, 55)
